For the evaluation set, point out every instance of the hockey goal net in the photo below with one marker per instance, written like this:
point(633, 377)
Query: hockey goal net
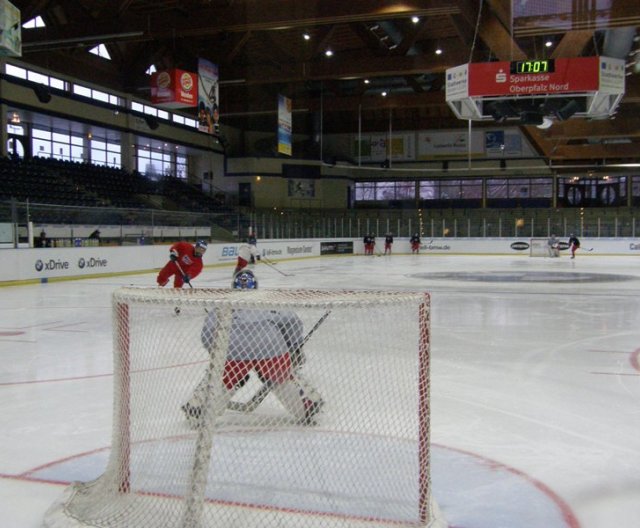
point(539, 247)
point(348, 447)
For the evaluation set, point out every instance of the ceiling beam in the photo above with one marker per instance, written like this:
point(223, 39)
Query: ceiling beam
point(338, 104)
point(492, 31)
point(253, 15)
point(585, 129)
point(237, 47)
point(572, 44)
point(344, 66)
point(580, 15)
point(498, 39)
point(596, 152)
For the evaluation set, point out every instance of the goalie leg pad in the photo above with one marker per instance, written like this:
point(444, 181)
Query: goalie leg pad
point(295, 400)
point(194, 407)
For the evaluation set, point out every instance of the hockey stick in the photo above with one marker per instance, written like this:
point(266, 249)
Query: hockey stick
point(183, 273)
point(177, 308)
point(264, 391)
point(280, 272)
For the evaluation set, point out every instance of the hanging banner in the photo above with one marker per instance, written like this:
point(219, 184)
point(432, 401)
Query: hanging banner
point(208, 111)
point(174, 88)
point(284, 125)
point(10, 30)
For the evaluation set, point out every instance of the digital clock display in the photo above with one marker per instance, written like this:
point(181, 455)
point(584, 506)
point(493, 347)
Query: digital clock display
point(532, 66)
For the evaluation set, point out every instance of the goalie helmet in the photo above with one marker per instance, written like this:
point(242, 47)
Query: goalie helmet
point(245, 280)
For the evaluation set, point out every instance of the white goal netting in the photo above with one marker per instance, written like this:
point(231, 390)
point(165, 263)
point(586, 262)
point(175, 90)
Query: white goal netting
point(264, 408)
point(540, 247)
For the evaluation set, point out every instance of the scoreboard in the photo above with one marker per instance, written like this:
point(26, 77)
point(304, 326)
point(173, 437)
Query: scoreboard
point(601, 80)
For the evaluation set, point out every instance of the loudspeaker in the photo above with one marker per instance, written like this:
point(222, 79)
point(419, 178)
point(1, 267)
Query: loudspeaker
point(152, 122)
point(42, 93)
point(500, 110)
point(567, 110)
point(531, 118)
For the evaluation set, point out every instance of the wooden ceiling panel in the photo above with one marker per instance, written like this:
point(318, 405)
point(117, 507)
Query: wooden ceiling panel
point(259, 44)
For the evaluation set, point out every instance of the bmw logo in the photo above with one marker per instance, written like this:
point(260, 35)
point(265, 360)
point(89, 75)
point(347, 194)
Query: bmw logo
point(81, 263)
point(39, 265)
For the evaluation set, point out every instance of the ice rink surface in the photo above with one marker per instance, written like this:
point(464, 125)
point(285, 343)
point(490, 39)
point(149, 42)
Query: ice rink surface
point(535, 383)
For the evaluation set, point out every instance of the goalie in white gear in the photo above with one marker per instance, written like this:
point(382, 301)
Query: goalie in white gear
point(264, 341)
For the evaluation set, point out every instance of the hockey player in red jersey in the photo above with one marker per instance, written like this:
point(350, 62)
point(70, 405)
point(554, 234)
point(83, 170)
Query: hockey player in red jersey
point(574, 245)
point(185, 263)
point(388, 242)
point(415, 243)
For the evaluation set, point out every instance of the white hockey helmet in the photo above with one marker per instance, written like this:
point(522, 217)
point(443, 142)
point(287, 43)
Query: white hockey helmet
point(200, 248)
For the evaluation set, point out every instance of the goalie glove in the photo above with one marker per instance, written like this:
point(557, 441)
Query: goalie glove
point(186, 278)
point(257, 257)
point(173, 255)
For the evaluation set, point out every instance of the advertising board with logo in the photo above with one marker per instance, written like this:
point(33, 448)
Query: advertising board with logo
point(563, 75)
point(174, 88)
point(336, 248)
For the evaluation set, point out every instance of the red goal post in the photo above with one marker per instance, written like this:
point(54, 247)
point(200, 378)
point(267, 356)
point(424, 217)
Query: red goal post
point(364, 460)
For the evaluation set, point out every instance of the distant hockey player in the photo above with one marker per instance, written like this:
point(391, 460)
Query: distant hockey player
point(415, 243)
point(185, 263)
point(388, 242)
point(574, 244)
point(366, 241)
point(262, 340)
point(552, 243)
point(247, 254)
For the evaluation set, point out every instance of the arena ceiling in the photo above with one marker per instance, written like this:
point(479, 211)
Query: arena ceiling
point(261, 52)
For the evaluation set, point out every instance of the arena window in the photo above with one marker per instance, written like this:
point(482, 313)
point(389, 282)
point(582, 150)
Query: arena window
point(15, 71)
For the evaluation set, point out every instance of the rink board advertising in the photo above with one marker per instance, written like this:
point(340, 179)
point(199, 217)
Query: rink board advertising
point(336, 248)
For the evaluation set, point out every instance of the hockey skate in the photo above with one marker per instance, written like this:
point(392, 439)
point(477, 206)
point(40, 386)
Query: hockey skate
point(311, 409)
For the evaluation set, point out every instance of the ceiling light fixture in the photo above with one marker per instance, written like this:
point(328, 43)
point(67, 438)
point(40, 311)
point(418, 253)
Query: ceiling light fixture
point(306, 36)
point(438, 51)
point(415, 19)
point(329, 53)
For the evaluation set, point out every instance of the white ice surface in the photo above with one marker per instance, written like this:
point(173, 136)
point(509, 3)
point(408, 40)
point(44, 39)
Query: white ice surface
point(535, 383)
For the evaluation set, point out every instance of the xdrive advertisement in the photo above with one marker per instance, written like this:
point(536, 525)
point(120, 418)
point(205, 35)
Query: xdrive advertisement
point(80, 264)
